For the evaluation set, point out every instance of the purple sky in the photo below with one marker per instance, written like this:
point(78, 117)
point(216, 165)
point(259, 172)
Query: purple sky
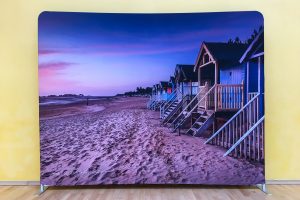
point(106, 54)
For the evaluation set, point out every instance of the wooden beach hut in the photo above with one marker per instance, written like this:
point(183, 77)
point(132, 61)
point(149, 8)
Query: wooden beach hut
point(153, 97)
point(186, 83)
point(220, 94)
point(243, 134)
point(160, 94)
point(172, 83)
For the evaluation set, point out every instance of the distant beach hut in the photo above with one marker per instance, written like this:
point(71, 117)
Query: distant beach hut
point(165, 90)
point(160, 94)
point(153, 97)
point(186, 81)
point(172, 83)
point(186, 84)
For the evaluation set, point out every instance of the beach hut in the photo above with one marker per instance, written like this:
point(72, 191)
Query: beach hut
point(186, 84)
point(160, 94)
point(172, 83)
point(165, 90)
point(220, 94)
point(153, 97)
point(186, 81)
point(243, 134)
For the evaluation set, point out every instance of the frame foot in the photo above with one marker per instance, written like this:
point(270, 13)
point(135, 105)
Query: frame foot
point(43, 188)
point(263, 188)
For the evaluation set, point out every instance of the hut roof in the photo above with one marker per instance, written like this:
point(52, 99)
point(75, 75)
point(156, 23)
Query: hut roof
point(165, 84)
point(185, 73)
point(226, 53)
point(256, 47)
point(172, 79)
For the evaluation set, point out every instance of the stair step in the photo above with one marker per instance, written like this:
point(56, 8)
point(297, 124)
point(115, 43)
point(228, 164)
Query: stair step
point(204, 116)
point(199, 123)
point(194, 129)
point(201, 112)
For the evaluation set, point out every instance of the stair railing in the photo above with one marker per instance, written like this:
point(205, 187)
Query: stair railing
point(154, 101)
point(186, 112)
point(150, 101)
point(180, 105)
point(169, 102)
point(251, 144)
point(237, 125)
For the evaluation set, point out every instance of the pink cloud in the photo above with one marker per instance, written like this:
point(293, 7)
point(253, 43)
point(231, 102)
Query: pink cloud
point(50, 78)
point(52, 69)
point(47, 51)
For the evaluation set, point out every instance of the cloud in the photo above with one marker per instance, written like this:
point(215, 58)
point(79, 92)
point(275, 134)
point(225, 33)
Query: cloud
point(127, 44)
point(52, 77)
point(47, 51)
point(53, 68)
point(55, 65)
point(124, 49)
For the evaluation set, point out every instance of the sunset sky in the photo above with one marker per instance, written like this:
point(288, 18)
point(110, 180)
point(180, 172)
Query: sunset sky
point(106, 54)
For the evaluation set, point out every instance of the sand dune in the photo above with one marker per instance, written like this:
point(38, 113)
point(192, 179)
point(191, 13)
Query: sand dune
point(125, 144)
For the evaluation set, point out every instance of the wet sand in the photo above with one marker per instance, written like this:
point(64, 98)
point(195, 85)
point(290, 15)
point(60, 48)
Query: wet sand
point(124, 143)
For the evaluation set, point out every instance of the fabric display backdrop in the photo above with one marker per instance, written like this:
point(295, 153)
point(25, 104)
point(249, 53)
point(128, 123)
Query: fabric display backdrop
point(151, 98)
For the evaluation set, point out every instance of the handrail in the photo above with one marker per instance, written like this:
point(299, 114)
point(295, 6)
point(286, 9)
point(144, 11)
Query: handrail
point(233, 117)
point(173, 95)
point(244, 136)
point(189, 113)
point(213, 87)
point(176, 109)
point(168, 104)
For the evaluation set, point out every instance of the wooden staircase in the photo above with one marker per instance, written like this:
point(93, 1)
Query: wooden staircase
point(243, 134)
point(203, 121)
point(175, 109)
point(156, 105)
point(170, 109)
point(192, 109)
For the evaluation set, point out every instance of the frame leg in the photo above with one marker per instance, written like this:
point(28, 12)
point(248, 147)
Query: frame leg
point(43, 188)
point(263, 188)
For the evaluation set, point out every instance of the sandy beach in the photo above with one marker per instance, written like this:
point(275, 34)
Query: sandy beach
point(119, 141)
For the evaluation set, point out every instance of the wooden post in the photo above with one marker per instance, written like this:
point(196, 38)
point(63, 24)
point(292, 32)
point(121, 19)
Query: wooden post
point(199, 77)
point(247, 82)
point(191, 83)
point(216, 82)
point(242, 88)
point(259, 74)
point(205, 100)
point(182, 90)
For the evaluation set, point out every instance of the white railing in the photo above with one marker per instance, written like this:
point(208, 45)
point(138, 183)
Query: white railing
point(192, 106)
point(164, 107)
point(240, 123)
point(202, 91)
point(251, 95)
point(251, 144)
point(178, 108)
point(229, 97)
point(150, 101)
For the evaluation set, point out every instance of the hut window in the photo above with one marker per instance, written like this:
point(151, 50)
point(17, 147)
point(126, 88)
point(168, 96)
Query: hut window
point(230, 73)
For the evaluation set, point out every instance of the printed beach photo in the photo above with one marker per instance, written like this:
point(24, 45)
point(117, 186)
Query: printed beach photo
point(151, 98)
